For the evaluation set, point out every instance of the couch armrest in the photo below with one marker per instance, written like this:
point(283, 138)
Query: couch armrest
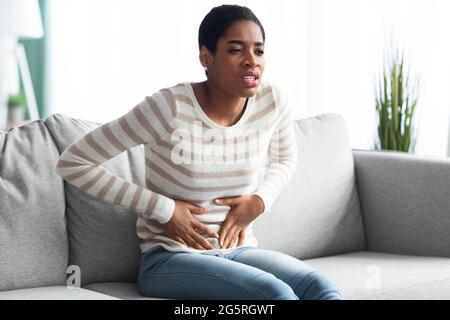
point(405, 202)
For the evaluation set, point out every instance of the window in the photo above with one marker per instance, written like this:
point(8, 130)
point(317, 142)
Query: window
point(108, 54)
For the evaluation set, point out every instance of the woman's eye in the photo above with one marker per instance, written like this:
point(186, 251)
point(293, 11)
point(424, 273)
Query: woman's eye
point(258, 52)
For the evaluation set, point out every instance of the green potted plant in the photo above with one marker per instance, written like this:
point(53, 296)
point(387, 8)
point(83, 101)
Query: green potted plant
point(396, 101)
point(17, 105)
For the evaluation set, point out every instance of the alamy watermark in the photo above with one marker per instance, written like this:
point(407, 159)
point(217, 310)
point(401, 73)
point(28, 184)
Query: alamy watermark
point(374, 277)
point(74, 277)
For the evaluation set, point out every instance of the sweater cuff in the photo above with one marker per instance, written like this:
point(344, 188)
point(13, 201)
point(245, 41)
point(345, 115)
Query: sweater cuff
point(267, 197)
point(164, 212)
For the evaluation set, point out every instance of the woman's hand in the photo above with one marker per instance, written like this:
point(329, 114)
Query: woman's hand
point(182, 226)
point(244, 210)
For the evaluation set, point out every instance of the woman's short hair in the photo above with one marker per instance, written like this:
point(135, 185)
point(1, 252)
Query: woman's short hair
point(219, 19)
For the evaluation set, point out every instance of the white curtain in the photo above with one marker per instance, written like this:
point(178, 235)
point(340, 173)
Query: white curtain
point(108, 54)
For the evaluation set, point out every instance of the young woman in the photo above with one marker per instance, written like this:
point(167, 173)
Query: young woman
point(205, 148)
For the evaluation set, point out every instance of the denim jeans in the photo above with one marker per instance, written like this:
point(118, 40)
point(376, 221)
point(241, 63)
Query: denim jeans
point(247, 273)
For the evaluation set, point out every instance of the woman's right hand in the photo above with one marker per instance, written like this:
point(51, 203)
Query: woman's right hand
point(182, 226)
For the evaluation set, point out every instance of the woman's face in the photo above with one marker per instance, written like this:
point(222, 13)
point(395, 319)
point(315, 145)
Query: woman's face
point(238, 65)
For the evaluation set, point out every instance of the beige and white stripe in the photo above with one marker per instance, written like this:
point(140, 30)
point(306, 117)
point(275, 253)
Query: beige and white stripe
point(153, 123)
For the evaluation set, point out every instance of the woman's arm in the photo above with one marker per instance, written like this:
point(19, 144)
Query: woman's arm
point(282, 155)
point(282, 164)
point(80, 163)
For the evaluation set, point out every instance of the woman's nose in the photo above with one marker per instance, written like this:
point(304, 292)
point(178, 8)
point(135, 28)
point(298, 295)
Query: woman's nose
point(251, 61)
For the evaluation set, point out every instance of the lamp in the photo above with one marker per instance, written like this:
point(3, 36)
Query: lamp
point(19, 18)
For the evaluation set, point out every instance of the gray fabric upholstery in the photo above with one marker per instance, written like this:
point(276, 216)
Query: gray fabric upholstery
point(54, 293)
point(103, 241)
point(372, 275)
point(405, 202)
point(318, 213)
point(122, 290)
point(359, 275)
point(33, 237)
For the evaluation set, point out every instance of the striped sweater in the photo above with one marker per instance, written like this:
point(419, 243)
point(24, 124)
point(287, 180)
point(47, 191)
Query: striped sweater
point(188, 157)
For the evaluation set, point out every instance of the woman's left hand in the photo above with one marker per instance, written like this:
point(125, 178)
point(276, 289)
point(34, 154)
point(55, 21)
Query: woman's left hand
point(244, 209)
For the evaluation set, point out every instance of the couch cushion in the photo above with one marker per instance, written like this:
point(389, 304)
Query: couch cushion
point(318, 213)
point(33, 236)
point(54, 293)
point(122, 290)
point(102, 236)
point(371, 275)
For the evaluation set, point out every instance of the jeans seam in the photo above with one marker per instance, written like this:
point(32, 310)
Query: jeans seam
point(213, 276)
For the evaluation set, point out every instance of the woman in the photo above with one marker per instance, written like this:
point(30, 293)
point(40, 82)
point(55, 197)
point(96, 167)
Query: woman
point(205, 146)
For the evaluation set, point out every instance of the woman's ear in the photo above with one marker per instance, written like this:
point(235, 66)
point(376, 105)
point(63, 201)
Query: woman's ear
point(205, 57)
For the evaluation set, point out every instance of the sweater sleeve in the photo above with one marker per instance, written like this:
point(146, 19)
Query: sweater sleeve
point(80, 163)
point(282, 155)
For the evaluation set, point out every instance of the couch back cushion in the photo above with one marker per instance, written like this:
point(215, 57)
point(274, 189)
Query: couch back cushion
point(102, 236)
point(33, 235)
point(318, 213)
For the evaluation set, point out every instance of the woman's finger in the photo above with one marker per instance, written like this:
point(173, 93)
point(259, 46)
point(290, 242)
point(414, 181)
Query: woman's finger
point(202, 228)
point(200, 240)
point(230, 236)
point(241, 238)
point(180, 240)
point(197, 210)
point(192, 243)
point(224, 230)
point(232, 201)
point(234, 241)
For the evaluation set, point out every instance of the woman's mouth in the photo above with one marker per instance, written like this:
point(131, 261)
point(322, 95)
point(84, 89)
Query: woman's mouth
point(250, 81)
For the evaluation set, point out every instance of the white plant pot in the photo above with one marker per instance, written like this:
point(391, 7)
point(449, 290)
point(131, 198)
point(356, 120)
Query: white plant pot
point(16, 115)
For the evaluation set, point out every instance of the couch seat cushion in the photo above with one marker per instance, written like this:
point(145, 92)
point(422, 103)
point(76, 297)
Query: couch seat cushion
point(122, 290)
point(371, 275)
point(54, 293)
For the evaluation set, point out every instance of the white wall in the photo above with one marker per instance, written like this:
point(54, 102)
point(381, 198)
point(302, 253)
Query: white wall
point(109, 54)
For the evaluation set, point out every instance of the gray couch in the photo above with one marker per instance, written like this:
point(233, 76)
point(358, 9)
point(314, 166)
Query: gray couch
point(376, 223)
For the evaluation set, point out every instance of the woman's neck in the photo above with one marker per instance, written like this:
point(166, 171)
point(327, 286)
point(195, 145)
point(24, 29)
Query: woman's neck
point(220, 106)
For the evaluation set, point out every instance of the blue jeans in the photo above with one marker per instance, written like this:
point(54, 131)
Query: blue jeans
point(247, 273)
